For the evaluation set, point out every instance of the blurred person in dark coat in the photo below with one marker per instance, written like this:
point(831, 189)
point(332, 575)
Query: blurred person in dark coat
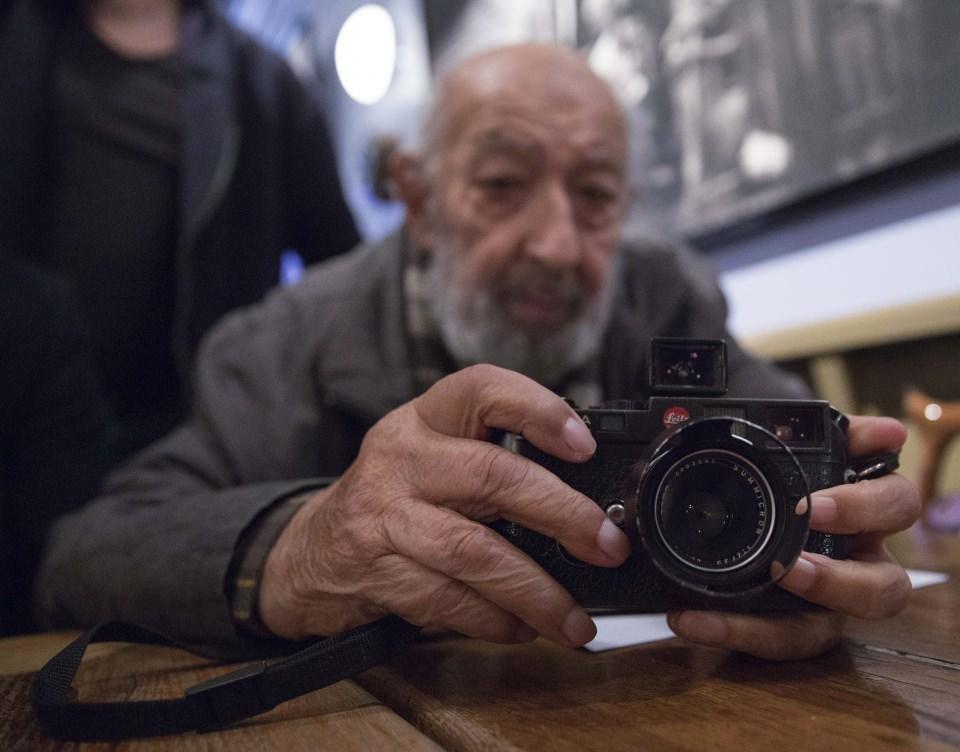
point(162, 161)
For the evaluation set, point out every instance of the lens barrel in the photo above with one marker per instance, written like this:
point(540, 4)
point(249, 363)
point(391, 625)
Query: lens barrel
point(714, 510)
point(716, 506)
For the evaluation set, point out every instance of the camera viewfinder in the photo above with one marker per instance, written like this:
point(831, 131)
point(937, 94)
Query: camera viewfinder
point(697, 366)
point(795, 425)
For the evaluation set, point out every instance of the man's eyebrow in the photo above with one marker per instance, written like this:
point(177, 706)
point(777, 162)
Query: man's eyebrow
point(600, 157)
point(498, 141)
point(597, 157)
point(600, 163)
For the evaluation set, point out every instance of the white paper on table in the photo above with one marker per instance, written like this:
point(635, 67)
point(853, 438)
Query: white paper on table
point(629, 629)
point(920, 578)
point(636, 629)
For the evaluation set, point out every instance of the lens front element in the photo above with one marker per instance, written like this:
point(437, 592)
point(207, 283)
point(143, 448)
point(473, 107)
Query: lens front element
point(714, 510)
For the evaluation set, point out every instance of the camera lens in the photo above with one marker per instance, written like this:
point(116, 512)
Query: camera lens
point(706, 514)
point(714, 510)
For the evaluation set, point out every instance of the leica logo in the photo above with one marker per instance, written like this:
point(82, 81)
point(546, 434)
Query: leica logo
point(675, 416)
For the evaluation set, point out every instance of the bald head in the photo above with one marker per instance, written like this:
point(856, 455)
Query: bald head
point(547, 78)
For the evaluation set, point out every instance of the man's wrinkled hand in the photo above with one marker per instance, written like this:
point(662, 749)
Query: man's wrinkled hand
point(870, 584)
point(402, 531)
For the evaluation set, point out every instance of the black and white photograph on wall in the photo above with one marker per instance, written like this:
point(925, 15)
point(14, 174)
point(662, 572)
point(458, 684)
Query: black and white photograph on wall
point(739, 107)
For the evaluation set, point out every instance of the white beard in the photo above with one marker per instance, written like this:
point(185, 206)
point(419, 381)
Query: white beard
point(476, 328)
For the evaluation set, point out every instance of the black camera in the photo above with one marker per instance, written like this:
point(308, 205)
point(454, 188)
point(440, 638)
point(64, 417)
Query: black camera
point(713, 492)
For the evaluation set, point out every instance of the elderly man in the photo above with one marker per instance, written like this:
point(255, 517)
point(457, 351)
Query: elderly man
point(511, 255)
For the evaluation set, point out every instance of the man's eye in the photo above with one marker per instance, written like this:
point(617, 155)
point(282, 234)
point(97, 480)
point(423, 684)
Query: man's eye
point(500, 184)
point(596, 205)
point(597, 195)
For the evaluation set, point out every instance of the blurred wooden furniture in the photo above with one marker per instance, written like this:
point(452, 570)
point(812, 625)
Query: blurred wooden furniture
point(892, 685)
point(924, 318)
point(936, 423)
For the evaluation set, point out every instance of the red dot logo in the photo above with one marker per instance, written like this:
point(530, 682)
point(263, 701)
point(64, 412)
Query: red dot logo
point(675, 416)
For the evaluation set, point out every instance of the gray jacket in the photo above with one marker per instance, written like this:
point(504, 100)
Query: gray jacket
point(285, 391)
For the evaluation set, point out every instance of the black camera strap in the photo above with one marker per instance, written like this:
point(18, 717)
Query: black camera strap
point(221, 701)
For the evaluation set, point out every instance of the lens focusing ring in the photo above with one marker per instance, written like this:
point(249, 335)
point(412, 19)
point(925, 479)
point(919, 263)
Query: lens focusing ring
point(749, 474)
point(771, 462)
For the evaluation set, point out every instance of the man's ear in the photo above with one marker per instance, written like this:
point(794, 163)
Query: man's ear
point(407, 172)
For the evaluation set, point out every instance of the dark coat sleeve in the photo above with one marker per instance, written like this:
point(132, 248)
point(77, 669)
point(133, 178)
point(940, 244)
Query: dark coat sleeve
point(156, 546)
point(54, 438)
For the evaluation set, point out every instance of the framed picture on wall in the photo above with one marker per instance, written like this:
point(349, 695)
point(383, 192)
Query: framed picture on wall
point(742, 107)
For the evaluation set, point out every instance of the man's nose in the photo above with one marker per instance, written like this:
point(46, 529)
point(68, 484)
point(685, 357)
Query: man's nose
point(552, 238)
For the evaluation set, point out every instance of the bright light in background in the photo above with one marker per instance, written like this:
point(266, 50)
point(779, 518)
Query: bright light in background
point(365, 54)
point(291, 267)
point(765, 155)
point(933, 411)
point(610, 59)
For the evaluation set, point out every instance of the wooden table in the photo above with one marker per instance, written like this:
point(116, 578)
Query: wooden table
point(891, 685)
point(341, 717)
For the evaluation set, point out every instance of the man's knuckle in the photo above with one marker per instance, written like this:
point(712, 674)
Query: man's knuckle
point(892, 595)
point(365, 503)
point(907, 501)
point(483, 373)
point(474, 382)
point(384, 433)
point(825, 634)
point(575, 510)
point(391, 524)
point(890, 503)
point(474, 549)
point(500, 473)
point(859, 507)
point(444, 601)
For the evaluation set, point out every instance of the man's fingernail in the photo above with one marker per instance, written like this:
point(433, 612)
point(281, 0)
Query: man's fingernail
point(525, 633)
point(801, 577)
point(612, 541)
point(578, 437)
point(579, 628)
point(702, 627)
point(824, 510)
